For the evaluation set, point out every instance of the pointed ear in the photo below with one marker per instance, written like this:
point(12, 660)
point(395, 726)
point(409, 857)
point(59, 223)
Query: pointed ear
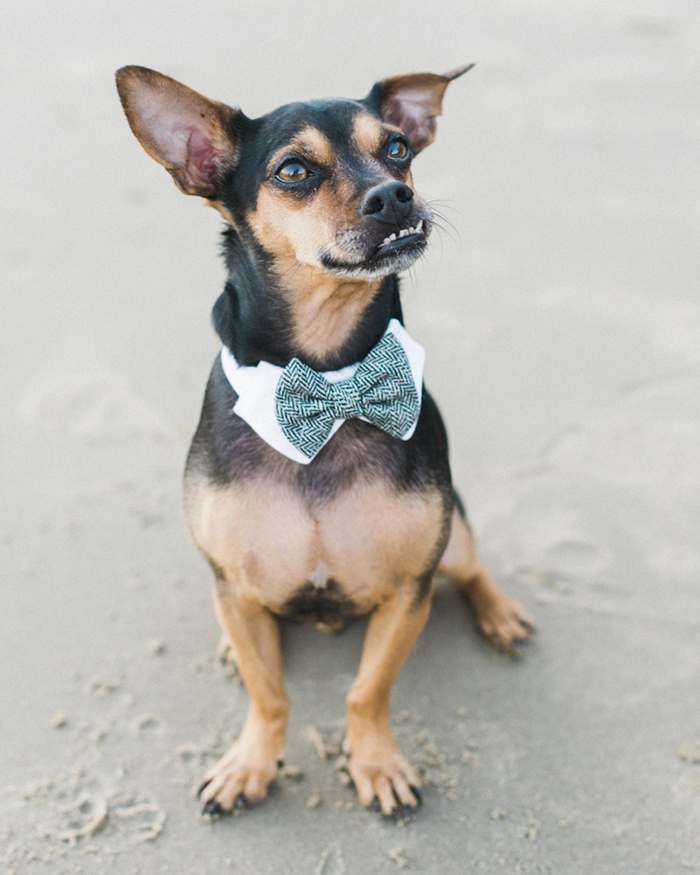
point(412, 102)
point(194, 138)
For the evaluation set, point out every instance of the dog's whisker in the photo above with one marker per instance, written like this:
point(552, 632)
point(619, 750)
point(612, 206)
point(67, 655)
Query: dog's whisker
point(442, 230)
point(455, 206)
point(317, 484)
point(442, 221)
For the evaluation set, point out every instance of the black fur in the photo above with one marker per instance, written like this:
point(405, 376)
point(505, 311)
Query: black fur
point(252, 315)
point(252, 318)
point(328, 604)
point(225, 449)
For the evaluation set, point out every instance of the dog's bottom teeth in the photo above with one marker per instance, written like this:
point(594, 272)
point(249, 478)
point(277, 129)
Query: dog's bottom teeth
point(405, 232)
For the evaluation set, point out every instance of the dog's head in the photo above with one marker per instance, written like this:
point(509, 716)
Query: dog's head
point(325, 183)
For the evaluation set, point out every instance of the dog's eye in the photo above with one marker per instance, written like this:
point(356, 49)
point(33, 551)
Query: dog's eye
point(292, 171)
point(398, 150)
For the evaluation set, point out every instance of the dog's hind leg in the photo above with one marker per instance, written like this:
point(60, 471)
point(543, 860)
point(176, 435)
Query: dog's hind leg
point(499, 616)
point(243, 774)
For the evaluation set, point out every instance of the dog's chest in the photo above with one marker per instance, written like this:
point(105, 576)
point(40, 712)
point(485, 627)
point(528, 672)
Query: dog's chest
point(322, 563)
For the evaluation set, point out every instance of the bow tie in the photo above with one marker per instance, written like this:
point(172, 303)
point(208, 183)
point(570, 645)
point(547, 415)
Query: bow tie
point(382, 391)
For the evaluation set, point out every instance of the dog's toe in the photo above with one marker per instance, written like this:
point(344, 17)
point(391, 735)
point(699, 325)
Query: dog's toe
point(505, 622)
point(385, 782)
point(239, 779)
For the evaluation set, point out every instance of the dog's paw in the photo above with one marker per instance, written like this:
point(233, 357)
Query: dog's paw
point(383, 778)
point(240, 778)
point(503, 620)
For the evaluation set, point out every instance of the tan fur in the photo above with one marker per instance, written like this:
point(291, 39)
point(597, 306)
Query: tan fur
point(368, 133)
point(377, 766)
point(297, 231)
point(312, 143)
point(372, 545)
point(500, 618)
point(222, 210)
point(267, 544)
point(291, 228)
point(252, 761)
point(325, 309)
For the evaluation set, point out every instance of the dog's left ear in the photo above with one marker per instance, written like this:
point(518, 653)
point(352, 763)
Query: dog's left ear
point(412, 102)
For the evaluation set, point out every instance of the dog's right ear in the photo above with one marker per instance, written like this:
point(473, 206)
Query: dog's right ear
point(194, 138)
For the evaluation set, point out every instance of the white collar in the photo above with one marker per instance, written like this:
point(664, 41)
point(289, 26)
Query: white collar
point(256, 386)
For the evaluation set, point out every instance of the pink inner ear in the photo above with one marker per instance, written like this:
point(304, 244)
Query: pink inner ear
point(184, 132)
point(414, 118)
point(412, 102)
point(203, 159)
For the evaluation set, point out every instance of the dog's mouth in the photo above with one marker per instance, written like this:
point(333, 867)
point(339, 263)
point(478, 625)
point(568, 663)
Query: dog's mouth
point(405, 237)
point(397, 251)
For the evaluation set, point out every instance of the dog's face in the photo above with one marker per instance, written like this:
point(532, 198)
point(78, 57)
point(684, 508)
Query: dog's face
point(329, 185)
point(325, 183)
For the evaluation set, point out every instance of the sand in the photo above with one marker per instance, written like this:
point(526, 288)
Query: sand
point(560, 309)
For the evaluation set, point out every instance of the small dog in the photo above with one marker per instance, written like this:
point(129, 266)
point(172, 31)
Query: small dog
point(317, 486)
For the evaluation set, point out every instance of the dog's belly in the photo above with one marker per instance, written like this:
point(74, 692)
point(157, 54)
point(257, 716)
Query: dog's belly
point(325, 564)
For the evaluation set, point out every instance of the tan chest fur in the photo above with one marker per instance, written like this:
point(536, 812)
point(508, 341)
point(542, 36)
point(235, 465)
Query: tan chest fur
point(264, 540)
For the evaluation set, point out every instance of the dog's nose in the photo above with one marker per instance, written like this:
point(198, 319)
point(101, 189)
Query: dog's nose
point(389, 202)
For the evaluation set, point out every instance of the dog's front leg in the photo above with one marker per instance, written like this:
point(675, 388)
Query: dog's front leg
point(243, 774)
point(377, 766)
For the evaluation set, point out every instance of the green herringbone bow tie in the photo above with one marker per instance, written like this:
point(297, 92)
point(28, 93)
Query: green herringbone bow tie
point(382, 391)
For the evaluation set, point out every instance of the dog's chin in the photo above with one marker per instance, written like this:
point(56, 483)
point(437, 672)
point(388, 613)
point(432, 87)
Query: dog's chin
point(390, 257)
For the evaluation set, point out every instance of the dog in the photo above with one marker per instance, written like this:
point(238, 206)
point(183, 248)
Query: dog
point(317, 486)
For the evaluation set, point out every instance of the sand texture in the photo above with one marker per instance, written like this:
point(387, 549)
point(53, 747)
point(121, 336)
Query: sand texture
point(560, 308)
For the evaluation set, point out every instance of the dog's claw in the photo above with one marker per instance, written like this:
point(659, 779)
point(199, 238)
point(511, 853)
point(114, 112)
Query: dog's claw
point(211, 806)
point(375, 804)
point(402, 813)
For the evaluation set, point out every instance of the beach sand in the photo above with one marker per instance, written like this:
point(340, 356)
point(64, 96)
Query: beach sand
point(560, 310)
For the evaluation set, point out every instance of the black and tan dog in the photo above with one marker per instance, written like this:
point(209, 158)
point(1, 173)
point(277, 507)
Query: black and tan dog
point(321, 214)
